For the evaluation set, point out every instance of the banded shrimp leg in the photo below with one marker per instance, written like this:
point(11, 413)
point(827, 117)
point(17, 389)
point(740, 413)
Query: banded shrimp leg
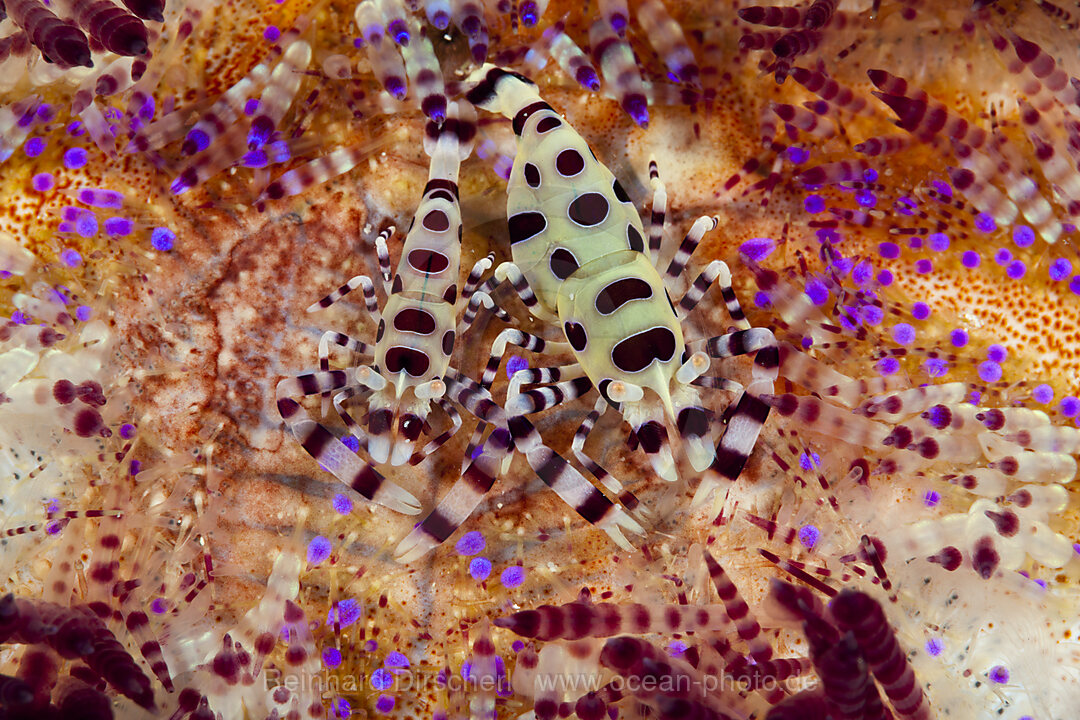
point(332, 454)
point(477, 479)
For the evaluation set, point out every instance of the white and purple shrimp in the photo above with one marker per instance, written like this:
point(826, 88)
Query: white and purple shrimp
point(410, 368)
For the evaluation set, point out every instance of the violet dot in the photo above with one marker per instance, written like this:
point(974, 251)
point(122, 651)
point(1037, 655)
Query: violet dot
point(757, 249)
point(865, 198)
point(989, 371)
point(480, 568)
point(1060, 269)
point(931, 498)
point(920, 311)
point(975, 398)
point(43, 182)
point(34, 147)
point(342, 708)
point(127, 431)
point(471, 543)
point(136, 467)
point(342, 504)
point(809, 460)
point(676, 648)
point(942, 187)
point(74, 158)
point(809, 535)
point(318, 550)
point(903, 333)
point(83, 313)
point(331, 657)
point(862, 273)
point(905, 206)
point(118, 226)
point(936, 367)
point(1069, 406)
point(888, 366)
point(817, 291)
point(517, 646)
point(870, 175)
point(934, 646)
point(958, 337)
point(250, 106)
point(515, 363)
point(1023, 236)
point(348, 612)
point(1074, 285)
point(885, 277)
point(158, 606)
point(999, 674)
point(396, 87)
point(1043, 394)
point(255, 159)
point(761, 299)
point(798, 155)
point(371, 646)
point(872, 314)
point(814, 204)
point(997, 353)
point(396, 659)
point(924, 266)
point(1016, 270)
point(915, 243)
point(70, 257)
point(828, 235)
point(382, 679)
point(350, 442)
point(938, 242)
point(513, 576)
point(272, 33)
point(53, 528)
point(162, 239)
point(198, 139)
point(87, 224)
point(182, 184)
point(1003, 256)
point(985, 223)
point(889, 250)
point(970, 259)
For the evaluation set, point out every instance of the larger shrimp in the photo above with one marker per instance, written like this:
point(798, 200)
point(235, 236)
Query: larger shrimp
point(579, 260)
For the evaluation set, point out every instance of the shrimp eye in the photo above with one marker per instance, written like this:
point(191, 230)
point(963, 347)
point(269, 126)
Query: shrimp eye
point(410, 426)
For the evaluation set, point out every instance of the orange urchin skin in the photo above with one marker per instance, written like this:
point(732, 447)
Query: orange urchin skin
point(224, 320)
